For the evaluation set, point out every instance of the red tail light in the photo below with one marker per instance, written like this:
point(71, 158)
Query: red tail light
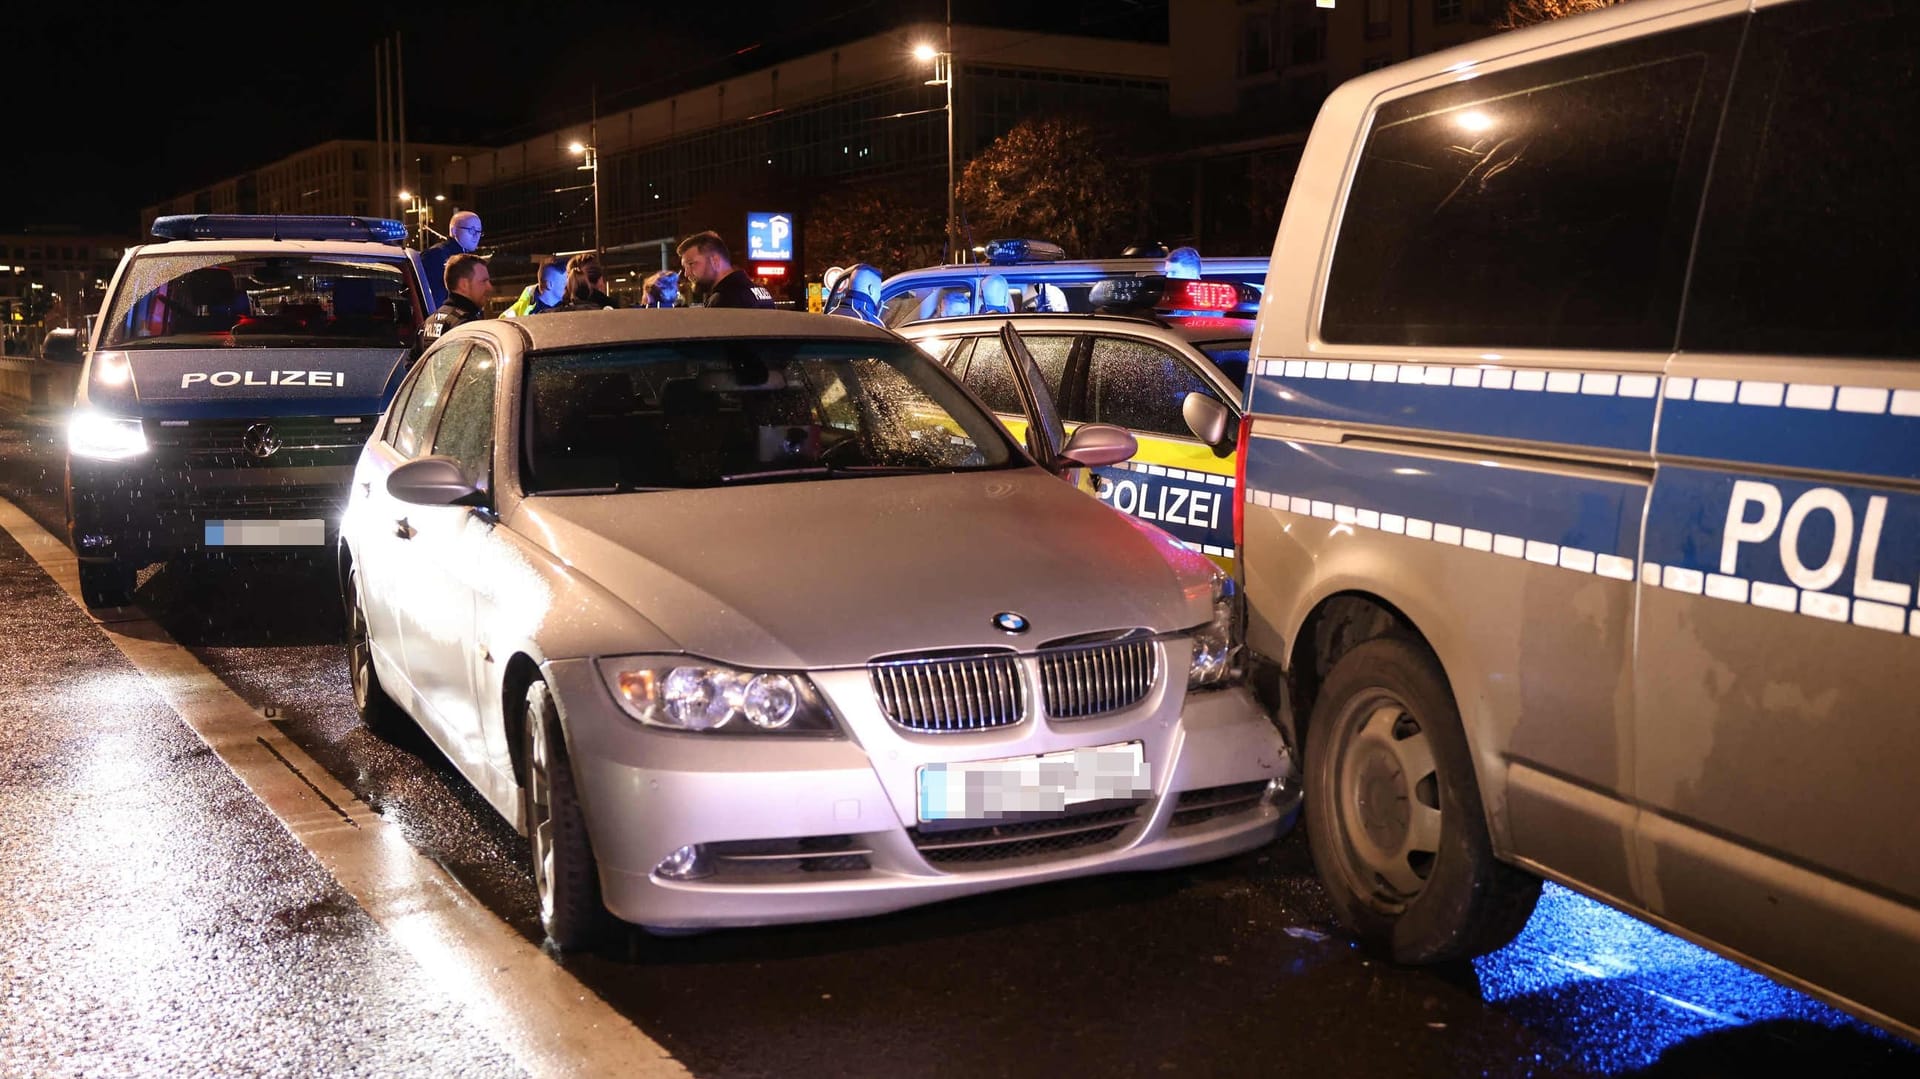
point(1240, 488)
point(1200, 296)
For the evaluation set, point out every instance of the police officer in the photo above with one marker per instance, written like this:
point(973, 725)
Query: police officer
point(709, 265)
point(468, 286)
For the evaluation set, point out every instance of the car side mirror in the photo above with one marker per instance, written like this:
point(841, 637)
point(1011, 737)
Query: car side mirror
point(63, 346)
point(434, 481)
point(1098, 444)
point(1209, 420)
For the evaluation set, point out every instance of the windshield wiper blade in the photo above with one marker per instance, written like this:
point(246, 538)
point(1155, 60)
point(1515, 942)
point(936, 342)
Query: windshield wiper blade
point(777, 474)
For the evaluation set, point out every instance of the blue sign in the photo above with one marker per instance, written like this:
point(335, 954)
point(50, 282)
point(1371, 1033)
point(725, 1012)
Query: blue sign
point(770, 237)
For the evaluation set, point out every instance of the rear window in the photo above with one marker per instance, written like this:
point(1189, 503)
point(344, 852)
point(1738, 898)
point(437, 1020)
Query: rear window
point(263, 301)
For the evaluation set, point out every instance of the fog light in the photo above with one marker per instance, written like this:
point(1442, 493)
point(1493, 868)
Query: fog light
point(1276, 790)
point(687, 863)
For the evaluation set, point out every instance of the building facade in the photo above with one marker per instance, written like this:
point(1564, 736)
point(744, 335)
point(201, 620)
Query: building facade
point(50, 279)
point(336, 177)
point(774, 139)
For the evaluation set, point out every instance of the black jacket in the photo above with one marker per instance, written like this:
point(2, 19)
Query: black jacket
point(433, 267)
point(456, 311)
point(734, 290)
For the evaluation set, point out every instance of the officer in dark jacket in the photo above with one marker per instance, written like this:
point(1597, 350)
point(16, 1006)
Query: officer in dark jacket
point(464, 236)
point(709, 265)
point(468, 285)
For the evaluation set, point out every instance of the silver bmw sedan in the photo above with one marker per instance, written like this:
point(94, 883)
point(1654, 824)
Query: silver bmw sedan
point(748, 617)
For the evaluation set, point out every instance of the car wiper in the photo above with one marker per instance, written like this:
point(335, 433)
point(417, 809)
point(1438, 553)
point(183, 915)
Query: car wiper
point(777, 475)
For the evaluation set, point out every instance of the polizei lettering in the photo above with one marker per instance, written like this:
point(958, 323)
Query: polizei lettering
point(332, 379)
point(1814, 559)
point(1164, 502)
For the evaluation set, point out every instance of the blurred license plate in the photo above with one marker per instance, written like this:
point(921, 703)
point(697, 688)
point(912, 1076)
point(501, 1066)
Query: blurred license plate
point(1021, 786)
point(310, 533)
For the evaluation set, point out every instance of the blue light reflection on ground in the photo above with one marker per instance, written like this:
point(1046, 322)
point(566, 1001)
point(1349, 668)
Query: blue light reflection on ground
point(1625, 998)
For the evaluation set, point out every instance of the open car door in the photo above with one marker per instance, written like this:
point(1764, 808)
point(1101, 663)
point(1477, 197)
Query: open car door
point(1046, 433)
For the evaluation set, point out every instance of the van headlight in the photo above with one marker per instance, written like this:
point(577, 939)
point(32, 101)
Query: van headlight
point(685, 694)
point(103, 437)
point(1219, 651)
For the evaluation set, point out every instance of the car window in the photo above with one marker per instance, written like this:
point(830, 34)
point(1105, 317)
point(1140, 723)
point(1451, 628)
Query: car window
point(466, 424)
point(1808, 242)
point(267, 300)
point(728, 412)
point(428, 389)
point(1547, 205)
point(1229, 356)
point(1140, 386)
point(990, 375)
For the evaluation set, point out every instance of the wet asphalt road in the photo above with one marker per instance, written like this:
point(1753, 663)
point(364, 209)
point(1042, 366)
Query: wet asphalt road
point(180, 920)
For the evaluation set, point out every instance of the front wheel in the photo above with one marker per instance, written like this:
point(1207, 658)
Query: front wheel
point(564, 872)
point(1394, 815)
point(378, 711)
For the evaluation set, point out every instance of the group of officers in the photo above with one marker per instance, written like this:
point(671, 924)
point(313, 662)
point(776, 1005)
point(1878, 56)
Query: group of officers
point(461, 283)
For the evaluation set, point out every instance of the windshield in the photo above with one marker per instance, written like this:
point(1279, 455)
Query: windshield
point(263, 301)
point(1229, 356)
point(735, 412)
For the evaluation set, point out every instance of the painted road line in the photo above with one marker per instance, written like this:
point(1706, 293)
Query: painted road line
point(551, 1023)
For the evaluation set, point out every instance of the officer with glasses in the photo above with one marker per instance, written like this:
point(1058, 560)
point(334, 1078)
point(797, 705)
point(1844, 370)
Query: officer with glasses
point(463, 235)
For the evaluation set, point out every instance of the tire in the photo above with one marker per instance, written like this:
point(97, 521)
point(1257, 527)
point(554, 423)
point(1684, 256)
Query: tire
point(564, 872)
point(1394, 815)
point(106, 584)
point(378, 712)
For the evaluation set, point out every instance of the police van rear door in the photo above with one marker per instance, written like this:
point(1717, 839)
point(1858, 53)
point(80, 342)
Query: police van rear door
point(1778, 632)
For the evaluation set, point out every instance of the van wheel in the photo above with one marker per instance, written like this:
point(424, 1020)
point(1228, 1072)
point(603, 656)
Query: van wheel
point(378, 712)
point(106, 584)
point(564, 872)
point(1394, 815)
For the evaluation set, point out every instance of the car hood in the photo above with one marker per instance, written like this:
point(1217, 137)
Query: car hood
point(264, 381)
point(830, 573)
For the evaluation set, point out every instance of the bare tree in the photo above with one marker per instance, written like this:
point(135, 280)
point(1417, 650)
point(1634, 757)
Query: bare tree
point(1527, 12)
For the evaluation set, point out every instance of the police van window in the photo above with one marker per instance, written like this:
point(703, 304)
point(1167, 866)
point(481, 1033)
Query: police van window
point(1808, 241)
point(1140, 386)
point(427, 391)
point(466, 425)
point(263, 301)
point(1550, 205)
point(990, 375)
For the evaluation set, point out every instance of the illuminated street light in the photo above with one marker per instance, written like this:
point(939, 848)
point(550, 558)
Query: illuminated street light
point(421, 211)
point(943, 76)
point(592, 164)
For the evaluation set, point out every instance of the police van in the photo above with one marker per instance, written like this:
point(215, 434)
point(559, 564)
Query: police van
point(1156, 343)
point(233, 374)
point(1581, 486)
point(1038, 278)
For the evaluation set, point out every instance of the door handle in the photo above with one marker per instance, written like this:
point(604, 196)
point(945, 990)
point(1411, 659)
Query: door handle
point(402, 529)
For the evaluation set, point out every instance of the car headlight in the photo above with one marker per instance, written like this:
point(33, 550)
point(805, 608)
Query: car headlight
point(1219, 653)
point(104, 437)
point(686, 694)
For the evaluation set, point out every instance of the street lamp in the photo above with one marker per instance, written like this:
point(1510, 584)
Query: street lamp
point(591, 164)
point(422, 212)
point(943, 76)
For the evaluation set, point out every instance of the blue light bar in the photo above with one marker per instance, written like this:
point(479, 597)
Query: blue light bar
point(278, 227)
point(1010, 252)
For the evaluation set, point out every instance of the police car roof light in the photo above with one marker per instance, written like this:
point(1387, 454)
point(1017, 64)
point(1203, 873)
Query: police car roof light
point(1200, 296)
point(278, 227)
point(1012, 252)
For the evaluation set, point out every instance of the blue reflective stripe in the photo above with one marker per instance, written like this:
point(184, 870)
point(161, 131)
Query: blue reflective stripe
point(1587, 514)
point(1576, 418)
point(1825, 440)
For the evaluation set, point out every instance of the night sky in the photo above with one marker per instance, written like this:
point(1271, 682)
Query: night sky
point(111, 108)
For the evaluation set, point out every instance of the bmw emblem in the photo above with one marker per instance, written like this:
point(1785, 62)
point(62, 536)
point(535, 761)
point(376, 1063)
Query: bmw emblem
point(1009, 622)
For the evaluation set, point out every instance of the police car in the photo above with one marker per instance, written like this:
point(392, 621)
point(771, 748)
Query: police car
point(1581, 500)
point(234, 373)
point(1033, 276)
point(1183, 339)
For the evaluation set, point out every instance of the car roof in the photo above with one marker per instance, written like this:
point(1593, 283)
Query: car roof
point(577, 329)
point(261, 246)
point(1190, 329)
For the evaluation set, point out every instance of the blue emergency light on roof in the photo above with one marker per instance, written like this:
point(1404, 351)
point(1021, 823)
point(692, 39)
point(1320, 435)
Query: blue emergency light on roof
point(278, 227)
point(1011, 252)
